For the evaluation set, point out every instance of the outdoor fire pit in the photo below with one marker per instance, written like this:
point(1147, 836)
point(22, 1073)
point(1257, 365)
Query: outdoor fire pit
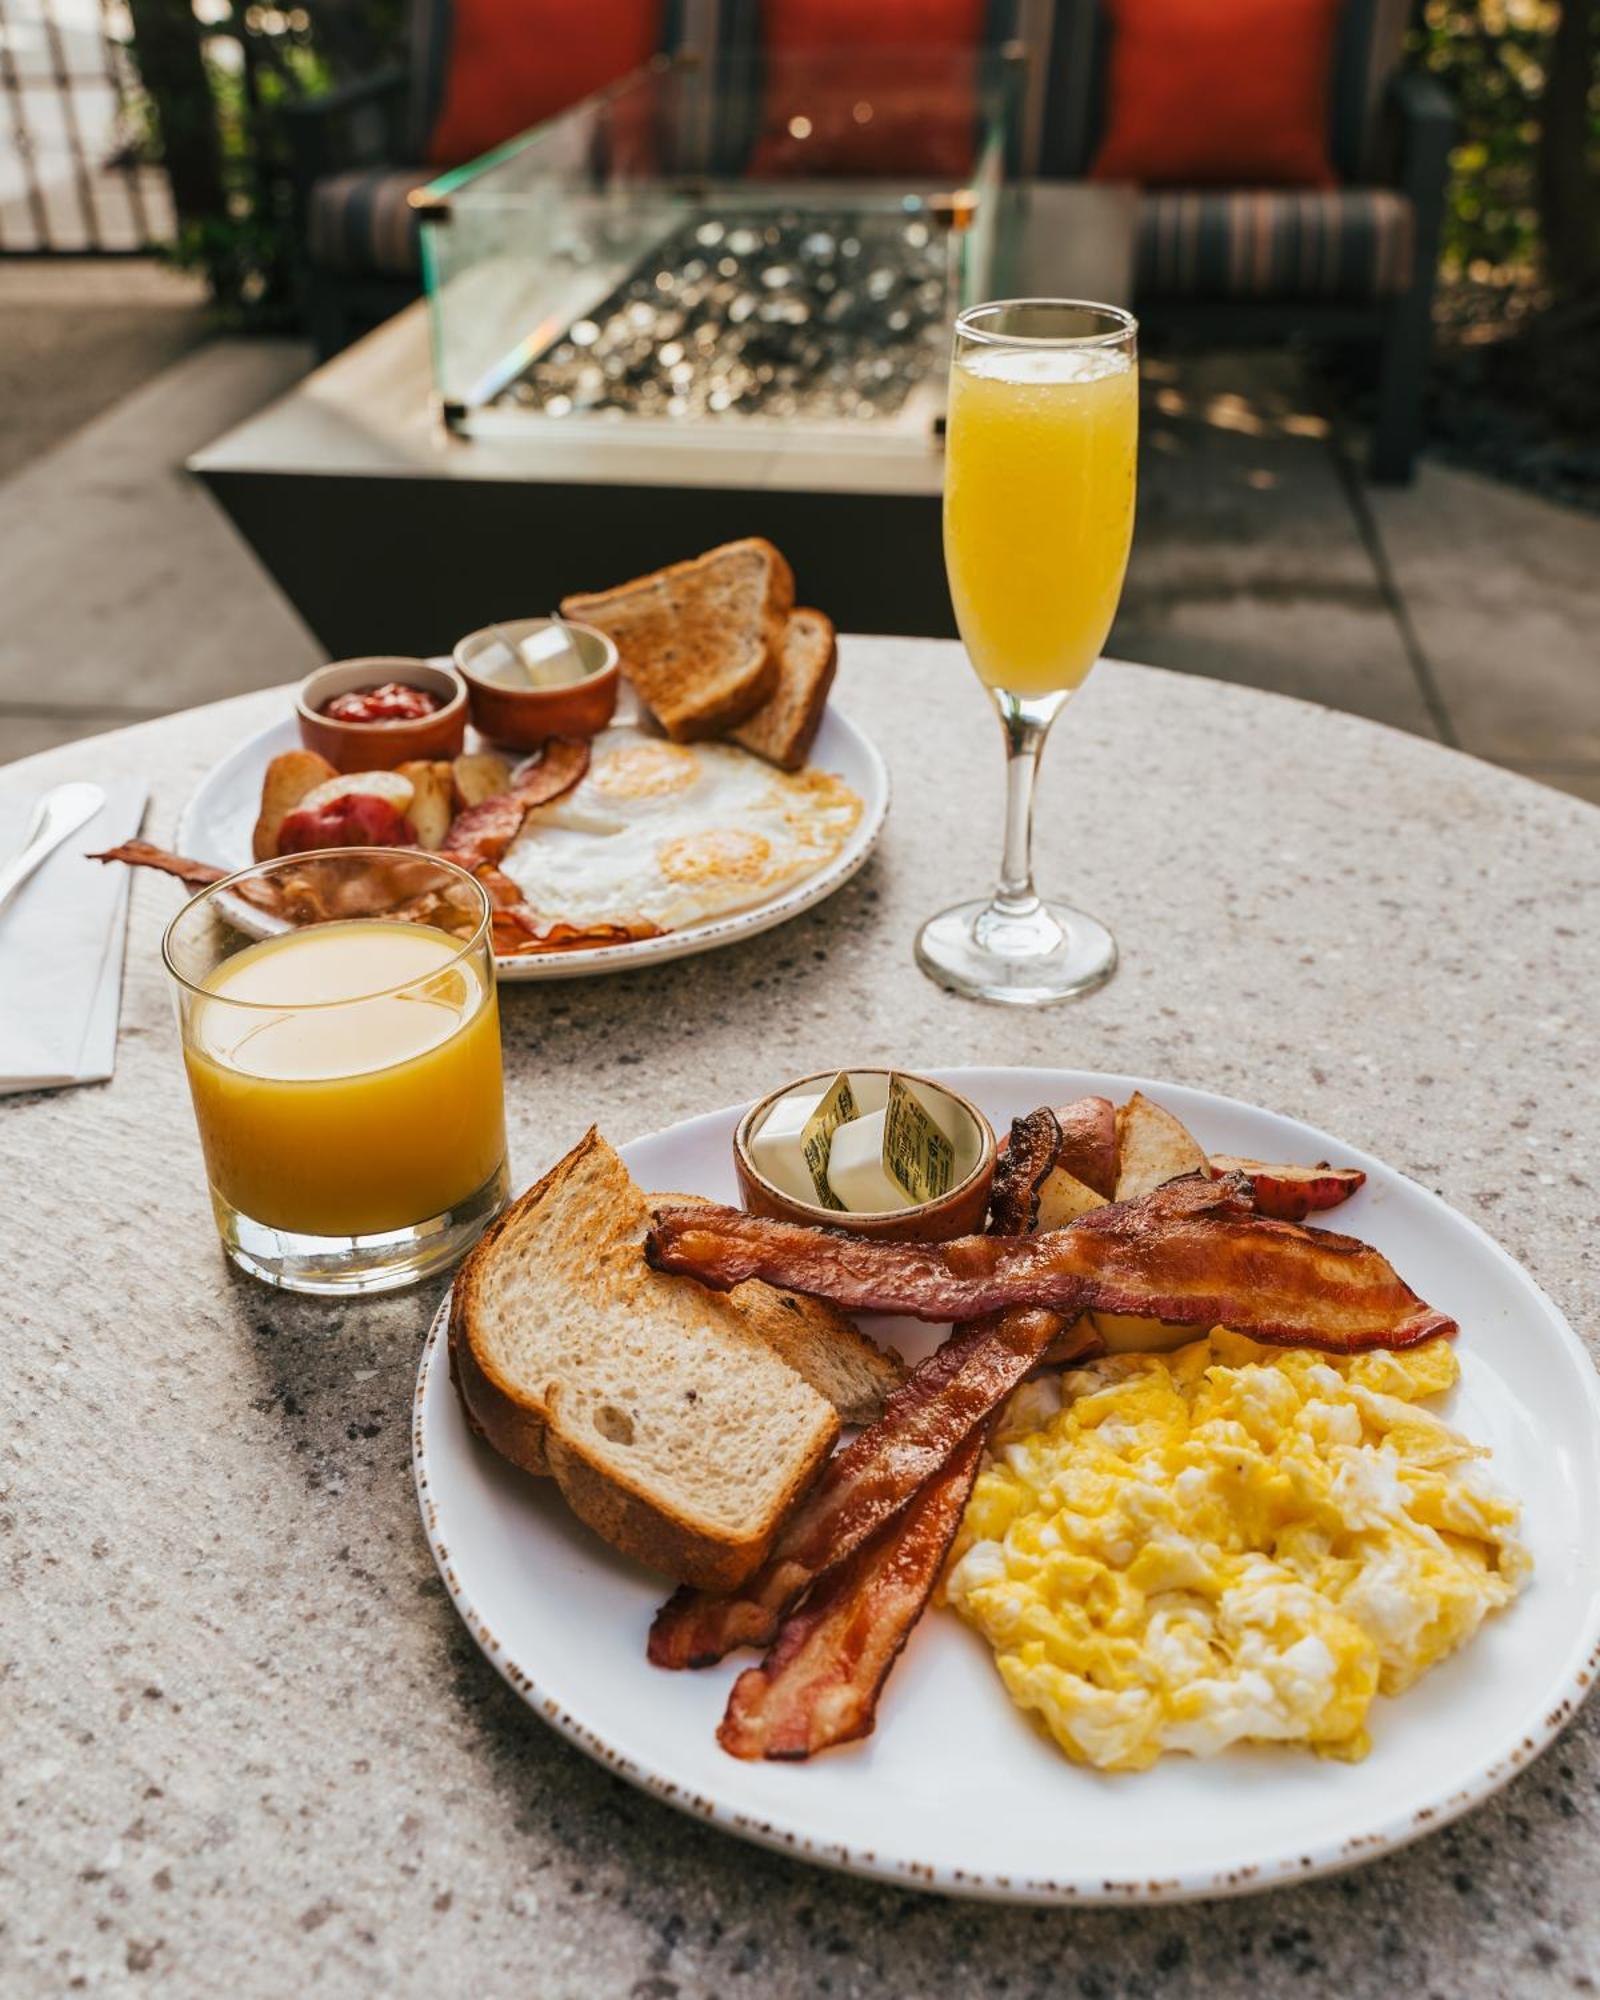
point(666, 253)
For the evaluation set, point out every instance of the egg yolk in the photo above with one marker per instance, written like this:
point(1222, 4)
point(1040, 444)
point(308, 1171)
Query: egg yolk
point(724, 854)
point(645, 771)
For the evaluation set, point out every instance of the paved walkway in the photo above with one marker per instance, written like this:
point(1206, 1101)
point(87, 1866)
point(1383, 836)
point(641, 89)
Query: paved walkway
point(1457, 609)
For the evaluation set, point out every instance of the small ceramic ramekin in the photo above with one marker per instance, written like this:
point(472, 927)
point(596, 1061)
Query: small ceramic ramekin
point(380, 746)
point(525, 716)
point(960, 1211)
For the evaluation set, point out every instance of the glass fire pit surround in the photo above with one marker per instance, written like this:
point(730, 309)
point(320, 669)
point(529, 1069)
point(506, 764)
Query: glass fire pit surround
point(707, 248)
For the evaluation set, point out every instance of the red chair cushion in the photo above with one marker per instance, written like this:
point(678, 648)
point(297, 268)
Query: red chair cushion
point(885, 88)
point(515, 62)
point(1218, 93)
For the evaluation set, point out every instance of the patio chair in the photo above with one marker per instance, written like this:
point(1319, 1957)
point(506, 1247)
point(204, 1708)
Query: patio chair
point(1351, 263)
point(358, 151)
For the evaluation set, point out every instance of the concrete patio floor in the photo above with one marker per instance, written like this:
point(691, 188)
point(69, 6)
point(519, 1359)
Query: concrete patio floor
point(1457, 609)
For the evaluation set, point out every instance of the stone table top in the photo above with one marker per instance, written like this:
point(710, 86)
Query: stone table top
point(246, 1745)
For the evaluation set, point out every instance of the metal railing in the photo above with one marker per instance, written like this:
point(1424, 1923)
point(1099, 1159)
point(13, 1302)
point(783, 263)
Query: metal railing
point(74, 178)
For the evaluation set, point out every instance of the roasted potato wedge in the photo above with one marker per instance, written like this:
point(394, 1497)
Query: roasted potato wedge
point(388, 785)
point(291, 777)
point(1063, 1198)
point(432, 799)
point(1089, 1143)
point(1132, 1333)
point(478, 776)
point(1152, 1148)
point(1290, 1194)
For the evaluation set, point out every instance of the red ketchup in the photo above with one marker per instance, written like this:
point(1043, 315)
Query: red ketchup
point(393, 702)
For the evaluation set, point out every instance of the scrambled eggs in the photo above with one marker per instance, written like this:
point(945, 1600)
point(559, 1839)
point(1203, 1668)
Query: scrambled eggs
point(1229, 1542)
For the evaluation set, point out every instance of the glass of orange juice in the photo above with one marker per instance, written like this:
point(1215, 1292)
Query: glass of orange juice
point(1041, 444)
point(342, 1038)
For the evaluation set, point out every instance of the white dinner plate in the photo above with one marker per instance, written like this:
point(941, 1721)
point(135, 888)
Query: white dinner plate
point(955, 1791)
point(216, 825)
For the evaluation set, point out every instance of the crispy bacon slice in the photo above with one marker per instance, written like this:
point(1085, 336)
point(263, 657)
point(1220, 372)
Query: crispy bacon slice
point(1193, 1252)
point(145, 854)
point(551, 771)
point(819, 1685)
point(479, 835)
point(1021, 1170)
point(520, 930)
point(517, 930)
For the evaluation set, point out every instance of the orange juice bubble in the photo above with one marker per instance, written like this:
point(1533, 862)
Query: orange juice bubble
point(1038, 508)
point(331, 1114)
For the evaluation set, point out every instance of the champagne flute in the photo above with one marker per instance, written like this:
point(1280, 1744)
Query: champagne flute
point(1041, 447)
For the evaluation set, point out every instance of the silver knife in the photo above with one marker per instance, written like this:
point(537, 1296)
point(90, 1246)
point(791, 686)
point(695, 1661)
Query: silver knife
point(58, 814)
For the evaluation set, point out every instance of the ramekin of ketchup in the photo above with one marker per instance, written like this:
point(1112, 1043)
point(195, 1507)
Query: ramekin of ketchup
point(375, 714)
point(394, 701)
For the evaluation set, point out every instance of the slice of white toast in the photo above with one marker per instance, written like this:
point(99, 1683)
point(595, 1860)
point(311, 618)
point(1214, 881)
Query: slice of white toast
point(672, 1428)
point(815, 1338)
point(785, 725)
point(699, 639)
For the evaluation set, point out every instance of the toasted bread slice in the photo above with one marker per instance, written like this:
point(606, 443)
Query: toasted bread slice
point(815, 1339)
point(699, 641)
point(784, 727)
point(670, 1426)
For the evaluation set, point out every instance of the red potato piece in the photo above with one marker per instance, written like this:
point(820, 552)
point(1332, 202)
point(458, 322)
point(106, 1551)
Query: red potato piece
point(1089, 1143)
point(1290, 1194)
point(1153, 1148)
point(354, 819)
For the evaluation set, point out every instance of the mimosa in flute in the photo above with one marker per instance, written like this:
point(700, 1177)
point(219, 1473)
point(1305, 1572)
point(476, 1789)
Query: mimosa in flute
point(347, 1087)
point(1041, 443)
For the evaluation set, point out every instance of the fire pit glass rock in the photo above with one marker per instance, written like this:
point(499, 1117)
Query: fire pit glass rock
point(770, 313)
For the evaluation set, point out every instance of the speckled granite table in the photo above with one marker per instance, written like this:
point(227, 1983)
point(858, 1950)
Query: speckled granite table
point(247, 1749)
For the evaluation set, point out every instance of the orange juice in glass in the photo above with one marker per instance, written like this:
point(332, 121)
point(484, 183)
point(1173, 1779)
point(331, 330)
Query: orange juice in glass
point(1041, 446)
point(344, 1067)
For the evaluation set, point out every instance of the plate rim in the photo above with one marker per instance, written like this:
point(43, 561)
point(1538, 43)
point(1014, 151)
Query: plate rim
point(1317, 1859)
point(710, 935)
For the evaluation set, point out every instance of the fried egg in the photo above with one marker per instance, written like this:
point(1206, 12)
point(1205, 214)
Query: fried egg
point(1229, 1543)
point(662, 834)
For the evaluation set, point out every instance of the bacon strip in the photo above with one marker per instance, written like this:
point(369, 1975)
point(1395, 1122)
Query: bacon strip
point(145, 854)
point(551, 771)
point(1020, 1171)
point(518, 930)
point(819, 1685)
point(876, 1474)
point(1192, 1252)
point(478, 836)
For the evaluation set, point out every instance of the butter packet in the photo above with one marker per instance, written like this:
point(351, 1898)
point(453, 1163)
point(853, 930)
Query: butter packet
point(836, 1107)
point(917, 1156)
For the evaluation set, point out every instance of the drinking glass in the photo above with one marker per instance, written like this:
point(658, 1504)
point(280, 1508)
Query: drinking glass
point(342, 1038)
point(1041, 442)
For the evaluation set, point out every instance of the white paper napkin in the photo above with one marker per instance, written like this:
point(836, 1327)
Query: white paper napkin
point(61, 945)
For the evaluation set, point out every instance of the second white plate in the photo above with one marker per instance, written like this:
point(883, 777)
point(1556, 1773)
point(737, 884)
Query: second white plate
point(216, 824)
point(955, 1791)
